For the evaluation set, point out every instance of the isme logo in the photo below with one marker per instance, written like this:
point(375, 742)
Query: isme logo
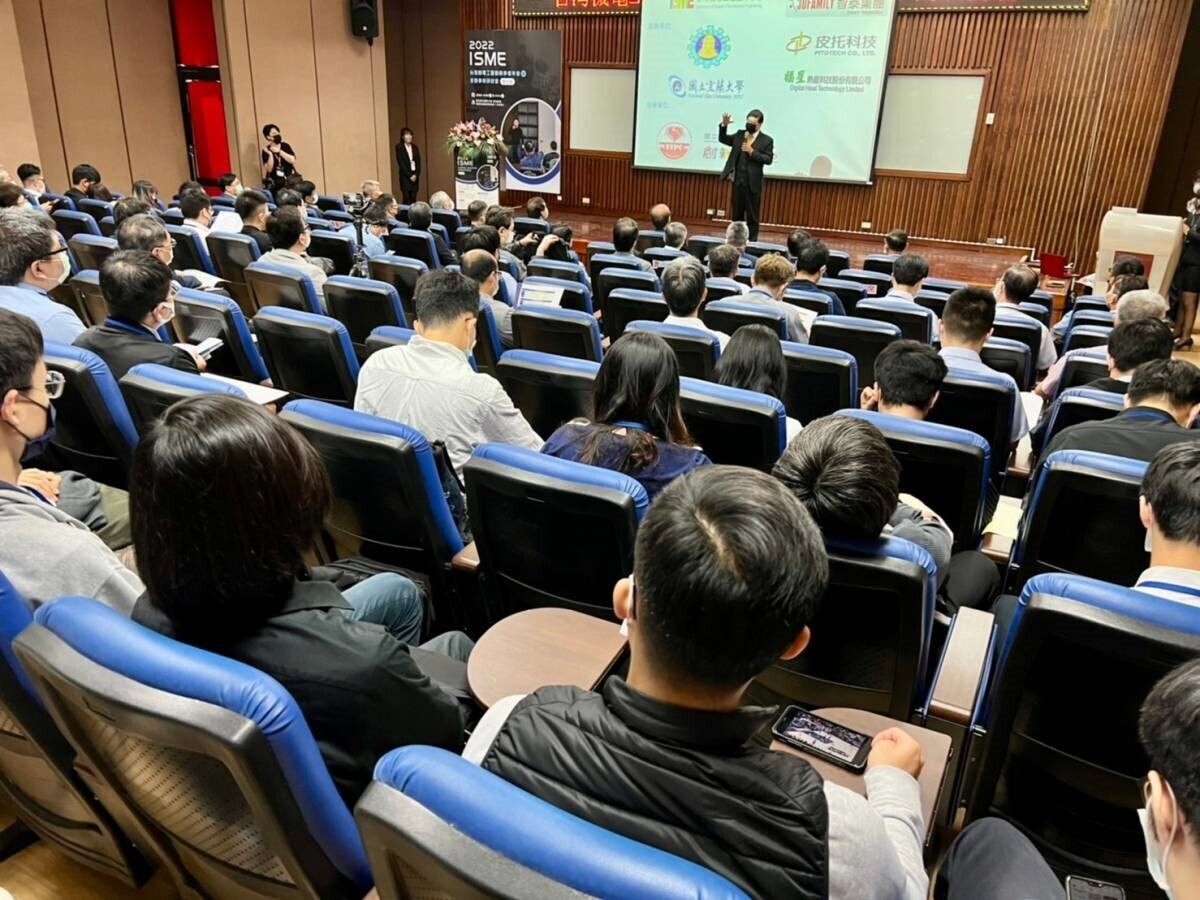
point(709, 46)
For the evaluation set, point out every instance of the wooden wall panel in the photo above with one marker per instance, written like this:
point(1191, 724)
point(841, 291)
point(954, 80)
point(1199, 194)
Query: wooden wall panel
point(1079, 101)
point(18, 138)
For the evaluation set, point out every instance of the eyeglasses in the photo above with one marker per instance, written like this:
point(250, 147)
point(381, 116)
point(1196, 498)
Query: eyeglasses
point(56, 383)
point(54, 253)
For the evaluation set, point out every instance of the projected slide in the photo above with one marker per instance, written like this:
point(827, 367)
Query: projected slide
point(816, 69)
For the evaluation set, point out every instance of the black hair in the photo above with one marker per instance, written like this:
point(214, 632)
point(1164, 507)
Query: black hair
point(1175, 379)
point(306, 189)
point(1169, 722)
point(756, 114)
point(285, 226)
point(753, 361)
point(909, 268)
point(443, 297)
point(844, 473)
point(266, 129)
point(226, 180)
point(909, 373)
point(25, 237)
point(1171, 486)
point(482, 237)
point(189, 186)
point(1124, 284)
point(133, 283)
point(1019, 283)
point(728, 570)
point(1132, 343)
point(478, 264)
point(638, 381)
point(374, 215)
point(406, 130)
point(625, 234)
point(217, 564)
point(500, 217)
point(896, 240)
point(10, 194)
point(475, 209)
point(535, 207)
point(420, 216)
point(969, 314)
point(192, 203)
point(723, 261)
point(812, 256)
point(560, 249)
point(683, 285)
point(84, 171)
point(141, 231)
point(25, 171)
point(288, 197)
point(796, 240)
point(128, 207)
point(144, 190)
point(21, 346)
point(248, 203)
point(1127, 265)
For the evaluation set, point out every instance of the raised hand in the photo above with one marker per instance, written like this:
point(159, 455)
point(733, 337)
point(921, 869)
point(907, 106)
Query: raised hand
point(726, 118)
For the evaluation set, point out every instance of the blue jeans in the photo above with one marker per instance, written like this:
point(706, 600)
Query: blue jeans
point(390, 600)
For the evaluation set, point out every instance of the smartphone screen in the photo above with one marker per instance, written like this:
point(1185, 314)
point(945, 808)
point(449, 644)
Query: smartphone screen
point(835, 742)
point(1086, 889)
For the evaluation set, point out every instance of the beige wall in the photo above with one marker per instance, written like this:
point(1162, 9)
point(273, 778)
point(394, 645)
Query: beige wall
point(295, 63)
point(101, 88)
point(18, 140)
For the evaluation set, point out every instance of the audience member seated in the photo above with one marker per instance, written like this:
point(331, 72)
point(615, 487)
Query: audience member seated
point(230, 185)
point(532, 158)
point(441, 200)
point(32, 180)
point(991, 860)
point(481, 267)
point(636, 427)
point(728, 572)
point(476, 210)
point(1014, 287)
point(101, 192)
point(146, 192)
point(146, 232)
point(128, 207)
point(675, 235)
point(1129, 345)
point(140, 299)
point(485, 237)
point(1160, 406)
point(772, 276)
point(909, 271)
point(1134, 305)
point(536, 208)
point(33, 261)
point(429, 384)
point(290, 236)
point(625, 235)
point(308, 194)
point(1168, 728)
point(83, 176)
point(737, 235)
point(44, 551)
point(846, 475)
point(560, 248)
point(660, 216)
point(908, 378)
point(796, 240)
point(895, 241)
point(1169, 503)
point(252, 207)
point(228, 501)
point(684, 288)
point(197, 211)
point(812, 256)
point(723, 265)
point(288, 197)
point(420, 217)
point(753, 361)
point(965, 327)
point(375, 226)
point(1117, 288)
point(11, 196)
point(523, 248)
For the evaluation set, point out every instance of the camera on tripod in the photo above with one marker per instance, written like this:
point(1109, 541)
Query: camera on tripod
point(356, 205)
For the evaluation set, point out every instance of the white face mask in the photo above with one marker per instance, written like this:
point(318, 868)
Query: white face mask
point(164, 318)
point(65, 264)
point(1196, 188)
point(1157, 865)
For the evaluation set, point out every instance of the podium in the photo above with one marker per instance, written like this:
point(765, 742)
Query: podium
point(1155, 240)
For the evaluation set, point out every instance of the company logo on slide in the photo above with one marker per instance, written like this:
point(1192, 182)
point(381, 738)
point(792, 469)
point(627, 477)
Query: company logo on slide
point(677, 86)
point(674, 141)
point(708, 46)
point(799, 43)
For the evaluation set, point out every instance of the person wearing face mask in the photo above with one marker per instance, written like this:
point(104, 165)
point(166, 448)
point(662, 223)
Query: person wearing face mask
point(1169, 729)
point(429, 383)
point(197, 212)
point(231, 185)
point(290, 236)
point(480, 266)
point(34, 261)
point(375, 226)
point(278, 159)
point(140, 298)
point(752, 149)
point(44, 551)
point(1187, 276)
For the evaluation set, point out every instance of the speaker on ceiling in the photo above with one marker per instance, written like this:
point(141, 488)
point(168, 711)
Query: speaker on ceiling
point(364, 19)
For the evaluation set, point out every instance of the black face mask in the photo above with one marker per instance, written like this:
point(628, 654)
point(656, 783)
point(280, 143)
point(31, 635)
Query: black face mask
point(751, 127)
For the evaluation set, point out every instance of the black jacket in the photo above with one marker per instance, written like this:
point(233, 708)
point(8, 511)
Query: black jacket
point(1112, 385)
point(1137, 433)
point(678, 779)
point(405, 168)
point(447, 256)
point(358, 687)
point(763, 154)
point(260, 237)
point(123, 345)
point(75, 194)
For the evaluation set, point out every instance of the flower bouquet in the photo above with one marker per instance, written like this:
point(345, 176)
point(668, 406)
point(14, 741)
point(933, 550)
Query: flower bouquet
point(475, 141)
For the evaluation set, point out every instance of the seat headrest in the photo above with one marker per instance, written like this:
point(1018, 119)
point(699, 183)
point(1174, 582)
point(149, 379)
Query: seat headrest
point(1099, 463)
point(550, 362)
point(188, 380)
point(15, 617)
point(857, 323)
point(676, 332)
point(106, 386)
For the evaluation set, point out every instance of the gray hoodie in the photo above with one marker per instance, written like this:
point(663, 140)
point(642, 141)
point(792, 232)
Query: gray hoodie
point(47, 554)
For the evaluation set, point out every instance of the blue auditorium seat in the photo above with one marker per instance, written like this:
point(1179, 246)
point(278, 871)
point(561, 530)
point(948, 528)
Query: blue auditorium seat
point(275, 285)
point(488, 346)
point(820, 381)
point(86, 286)
point(879, 262)
point(91, 250)
point(876, 283)
point(190, 250)
point(401, 272)
point(362, 305)
point(326, 202)
point(230, 254)
point(554, 268)
point(934, 301)
point(523, 225)
point(1081, 369)
point(575, 294)
point(551, 329)
point(762, 248)
point(720, 289)
point(1080, 337)
point(735, 427)
point(212, 756)
point(727, 316)
point(449, 219)
point(839, 261)
point(1007, 325)
point(70, 223)
point(1080, 404)
point(696, 351)
point(336, 246)
point(849, 292)
point(981, 402)
point(548, 389)
point(62, 200)
point(816, 301)
point(611, 278)
point(388, 336)
point(308, 355)
point(647, 239)
point(915, 322)
point(1011, 357)
point(662, 256)
point(625, 305)
point(413, 244)
point(945, 285)
point(699, 244)
point(200, 315)
point(609, 259)
point(861, 338)
point(97, 209)
point(149, 389)
point(437, 825)
point(578, 524)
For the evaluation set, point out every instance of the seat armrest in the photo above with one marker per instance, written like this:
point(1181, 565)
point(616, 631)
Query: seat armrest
point(466, 559)
point(965, 663)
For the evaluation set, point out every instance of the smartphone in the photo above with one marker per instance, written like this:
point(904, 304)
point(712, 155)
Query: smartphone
point(820, 737)
point(1086, 889)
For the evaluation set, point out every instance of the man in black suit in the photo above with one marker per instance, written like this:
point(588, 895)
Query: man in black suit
point(420, 217)
point(752, 149)
point(1129, 345)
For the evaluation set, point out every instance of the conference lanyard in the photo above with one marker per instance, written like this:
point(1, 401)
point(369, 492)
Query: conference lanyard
point(1173, 588)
